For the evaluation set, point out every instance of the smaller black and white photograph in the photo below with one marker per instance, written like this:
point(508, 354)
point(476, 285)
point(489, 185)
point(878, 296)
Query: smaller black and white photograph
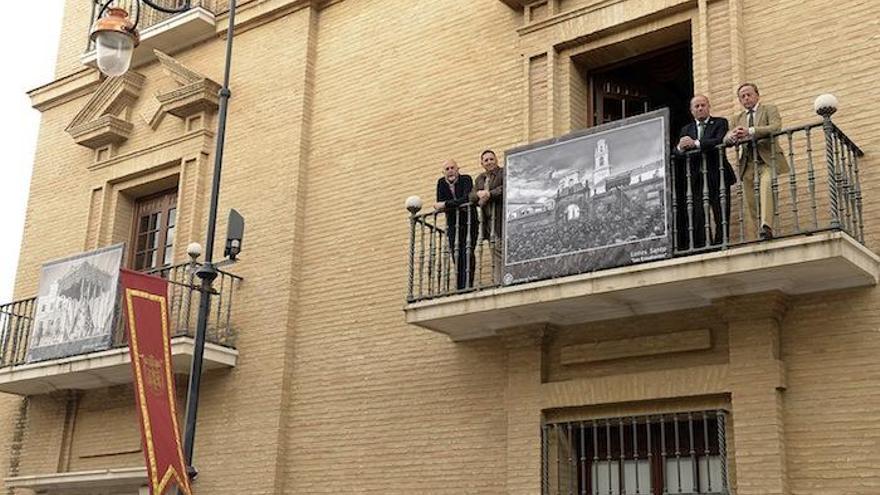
point(76, 305)
point(588, 201)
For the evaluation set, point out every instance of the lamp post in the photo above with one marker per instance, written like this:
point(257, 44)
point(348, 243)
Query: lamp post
point(116, 37)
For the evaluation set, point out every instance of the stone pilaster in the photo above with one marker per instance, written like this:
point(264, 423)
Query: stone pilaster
point(523, 404)
point(757, 384)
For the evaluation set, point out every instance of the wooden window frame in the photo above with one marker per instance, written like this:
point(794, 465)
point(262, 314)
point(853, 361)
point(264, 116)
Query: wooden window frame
point(161, 245)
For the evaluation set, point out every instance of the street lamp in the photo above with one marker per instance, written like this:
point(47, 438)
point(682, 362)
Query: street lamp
point(115, 38)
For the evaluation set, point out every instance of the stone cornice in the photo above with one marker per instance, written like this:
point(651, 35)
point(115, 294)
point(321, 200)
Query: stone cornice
point(564, 16)
point(114, 94)
point(134, 477)
point(107, 129)
point(193, 92)
point(65, 89)
point(516, 4)
point(259, 12)
point(201, 138)
point(98, 123)
point(82, 82)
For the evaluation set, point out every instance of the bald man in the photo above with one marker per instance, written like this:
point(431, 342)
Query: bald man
point(452, 192)
point(704, 133)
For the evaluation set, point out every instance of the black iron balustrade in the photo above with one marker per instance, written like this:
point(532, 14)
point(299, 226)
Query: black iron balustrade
point(16, 321)
point(679, 453)
point(148, 17)
point(183, 289)
point(17, 318)
point(463, 258)
point(821, 191)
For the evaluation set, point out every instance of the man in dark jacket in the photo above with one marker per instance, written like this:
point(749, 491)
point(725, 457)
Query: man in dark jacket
point(704, 133)
point(452, 198)
point(488, 195)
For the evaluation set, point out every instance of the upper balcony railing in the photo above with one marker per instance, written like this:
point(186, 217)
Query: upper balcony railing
point(148, 17)
point(814, 186)
point(17, 318)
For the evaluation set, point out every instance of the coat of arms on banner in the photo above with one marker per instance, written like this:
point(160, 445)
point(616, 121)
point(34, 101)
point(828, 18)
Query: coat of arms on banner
point(76, 305)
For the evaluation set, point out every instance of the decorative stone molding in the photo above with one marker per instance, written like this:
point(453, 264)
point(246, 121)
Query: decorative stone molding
point(772, 305)
point(119, 480)
point(107, 129)
point(102, 120)
point(649, 345)
point(516, 4)
point(698, 381)
point(525, 336)
point(193, 93)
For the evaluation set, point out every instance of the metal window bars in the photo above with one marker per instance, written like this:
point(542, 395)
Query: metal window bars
point(678, 453)
point(17, 318)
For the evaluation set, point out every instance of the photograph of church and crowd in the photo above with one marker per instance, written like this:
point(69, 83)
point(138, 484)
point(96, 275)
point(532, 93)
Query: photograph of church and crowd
point(588, 201)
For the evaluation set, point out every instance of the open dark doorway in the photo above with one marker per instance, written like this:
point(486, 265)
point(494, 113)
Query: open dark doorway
point(661, 78)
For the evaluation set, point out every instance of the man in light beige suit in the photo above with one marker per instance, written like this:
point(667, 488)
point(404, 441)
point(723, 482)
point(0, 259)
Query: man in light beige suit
point(752, 129)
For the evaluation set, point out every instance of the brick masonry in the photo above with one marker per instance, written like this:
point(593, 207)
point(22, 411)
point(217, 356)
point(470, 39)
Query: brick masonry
point(341, 112)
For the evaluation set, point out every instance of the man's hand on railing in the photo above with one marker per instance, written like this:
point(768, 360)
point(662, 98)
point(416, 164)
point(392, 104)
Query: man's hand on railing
point(686, 143)
point(440, 205)
point(736, 135)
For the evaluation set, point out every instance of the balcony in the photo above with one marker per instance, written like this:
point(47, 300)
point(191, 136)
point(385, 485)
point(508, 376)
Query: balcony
point(112, 366)
point(168, 33)
point(817, 245)
point(105, 481)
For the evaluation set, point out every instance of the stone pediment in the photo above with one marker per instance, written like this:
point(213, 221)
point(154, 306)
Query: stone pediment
point(103, 119)
point(193, 93)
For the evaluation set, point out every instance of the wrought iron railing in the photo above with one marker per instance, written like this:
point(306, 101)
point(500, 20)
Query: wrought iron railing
point(814, 185)
point(183, 301)
point(682, 453)
point(450, 257)
point(16, 322)
point(817, 188)
point(148, 16)
point(17, 318)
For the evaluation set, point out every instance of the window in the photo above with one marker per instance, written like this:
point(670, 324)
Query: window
point(618, 87)
point(155, 222)
point(680, 453)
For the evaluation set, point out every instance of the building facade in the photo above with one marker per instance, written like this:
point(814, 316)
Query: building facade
point(332, 369)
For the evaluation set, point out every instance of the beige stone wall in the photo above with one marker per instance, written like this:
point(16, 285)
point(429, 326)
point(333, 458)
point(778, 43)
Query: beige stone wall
point(74, 37)
point(829, 346)
point(337, 116)
point(375, 404)
point(77, 204)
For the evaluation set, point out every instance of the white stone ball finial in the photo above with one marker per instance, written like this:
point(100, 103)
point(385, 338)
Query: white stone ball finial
point(194, 250)
point(414, 204)
point(825, 105)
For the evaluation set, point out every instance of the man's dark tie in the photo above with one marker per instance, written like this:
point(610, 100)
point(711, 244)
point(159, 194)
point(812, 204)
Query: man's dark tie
point(749, 148)
point(701, 128)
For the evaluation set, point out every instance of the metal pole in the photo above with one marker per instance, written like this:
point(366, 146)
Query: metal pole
point(208, 272)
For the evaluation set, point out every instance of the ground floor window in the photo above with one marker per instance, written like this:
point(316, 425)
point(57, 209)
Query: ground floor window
point(681, 453)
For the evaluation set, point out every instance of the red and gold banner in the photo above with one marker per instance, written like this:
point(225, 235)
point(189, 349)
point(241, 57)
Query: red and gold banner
point(145, 305)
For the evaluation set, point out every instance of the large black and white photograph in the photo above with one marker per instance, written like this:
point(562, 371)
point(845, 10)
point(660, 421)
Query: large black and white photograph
point(76, 305)
point(588, 201)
